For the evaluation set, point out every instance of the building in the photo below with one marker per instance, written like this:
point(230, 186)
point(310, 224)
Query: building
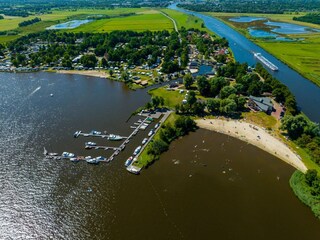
point(263, 104)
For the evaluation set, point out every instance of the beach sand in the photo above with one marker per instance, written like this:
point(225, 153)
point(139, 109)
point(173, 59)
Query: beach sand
point(91, 73)
point(256, 136)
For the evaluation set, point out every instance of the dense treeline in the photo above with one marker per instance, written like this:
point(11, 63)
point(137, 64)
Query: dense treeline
point(310, 18)
point(29, 22)
point(1, 17)
point(25, 8)
point(249, 6)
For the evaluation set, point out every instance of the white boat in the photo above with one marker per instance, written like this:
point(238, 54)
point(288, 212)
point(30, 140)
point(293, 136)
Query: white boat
point(76, 134)
point(128, 162)
point(94, 132)
point(90, 144)
point(113, 137)
point(157, 125)
point(74, 159)
point(266, 61)
point(144, 141)
point(151, 133)
point(137, 150)
point(51, 95)
point(68, 155)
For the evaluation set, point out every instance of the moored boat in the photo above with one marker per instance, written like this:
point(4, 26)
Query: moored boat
point(137, 150)
point(113, 137)
point(129, 161)
point(144, 141)
point(151, 133)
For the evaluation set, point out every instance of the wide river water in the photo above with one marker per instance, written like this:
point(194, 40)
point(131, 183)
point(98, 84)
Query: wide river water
point(307, 94)
point(206, 186)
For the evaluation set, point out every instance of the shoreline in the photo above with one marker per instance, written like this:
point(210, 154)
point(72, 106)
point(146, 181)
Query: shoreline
point(256, 136)
point(90, 73)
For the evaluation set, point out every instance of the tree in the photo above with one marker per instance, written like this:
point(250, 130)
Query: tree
point(228, 106)
point(89, 60)
point(311, 176)
point(227, 91)
point(188, 81)
point(191, 99)
point(294, 125)
point(213, 105)
point(157, 147)
point(203, 86)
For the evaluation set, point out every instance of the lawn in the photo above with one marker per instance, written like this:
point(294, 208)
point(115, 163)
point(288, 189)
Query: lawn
point(171, 98)
point(149, 20)
point(186, 20)
point(303, 56)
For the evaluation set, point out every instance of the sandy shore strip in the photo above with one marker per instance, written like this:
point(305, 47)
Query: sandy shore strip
point(256, 136)
point(90, 73)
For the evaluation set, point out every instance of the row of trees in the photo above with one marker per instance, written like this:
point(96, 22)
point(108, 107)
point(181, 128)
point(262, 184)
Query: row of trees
point(249, 6)
point(310, 18)
point(29, 22)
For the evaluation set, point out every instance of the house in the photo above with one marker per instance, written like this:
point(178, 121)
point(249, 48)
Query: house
point(263, 104)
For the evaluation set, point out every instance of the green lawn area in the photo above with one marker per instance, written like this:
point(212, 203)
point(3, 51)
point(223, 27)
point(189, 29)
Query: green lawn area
point(262, 119)
point(171, 98)
point(186, 20)
point(303, 56)
point(149, 20)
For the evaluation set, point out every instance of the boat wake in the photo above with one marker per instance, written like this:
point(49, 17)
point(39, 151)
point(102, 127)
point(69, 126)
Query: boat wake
point(36, 90)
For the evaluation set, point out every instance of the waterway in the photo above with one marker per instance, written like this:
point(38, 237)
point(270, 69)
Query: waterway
point(307, 94)
point(207, 185)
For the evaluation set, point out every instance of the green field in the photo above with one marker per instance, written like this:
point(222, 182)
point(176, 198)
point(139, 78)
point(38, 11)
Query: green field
point(185, 20)
point(303, 56)
point(149, 20)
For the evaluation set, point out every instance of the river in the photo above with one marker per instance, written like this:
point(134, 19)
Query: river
point(307, 93)
point(206, 186)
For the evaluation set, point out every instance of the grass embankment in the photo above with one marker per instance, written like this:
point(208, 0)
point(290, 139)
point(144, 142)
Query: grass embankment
point(303, 192)
point(145, 159)
point(301, 55)
point(171, 98)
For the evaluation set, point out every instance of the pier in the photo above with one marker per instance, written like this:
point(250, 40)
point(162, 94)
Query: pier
point(97, 134)
point(135, 169)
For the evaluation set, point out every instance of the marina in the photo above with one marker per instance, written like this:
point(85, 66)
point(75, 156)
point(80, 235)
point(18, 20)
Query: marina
point(140, 124)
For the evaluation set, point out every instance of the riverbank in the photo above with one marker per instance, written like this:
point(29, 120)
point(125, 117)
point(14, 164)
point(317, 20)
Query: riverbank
point(256, 136)
point(90, 73)
point(303, 192)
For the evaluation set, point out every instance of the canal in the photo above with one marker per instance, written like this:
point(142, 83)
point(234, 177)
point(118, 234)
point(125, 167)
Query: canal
point(307, 93)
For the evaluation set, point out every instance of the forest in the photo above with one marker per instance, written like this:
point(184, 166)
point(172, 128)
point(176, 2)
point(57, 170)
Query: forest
point(249, 6)
point(310, 18)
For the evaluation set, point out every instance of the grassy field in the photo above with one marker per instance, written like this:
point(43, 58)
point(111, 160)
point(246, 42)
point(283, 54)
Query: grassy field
point(149, 20)
point(11, 23)
point(185, 20)
point(303, 56)
point(171, 98)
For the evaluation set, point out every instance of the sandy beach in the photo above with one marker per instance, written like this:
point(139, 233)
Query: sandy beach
point(256, 136)
point(91, 73)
